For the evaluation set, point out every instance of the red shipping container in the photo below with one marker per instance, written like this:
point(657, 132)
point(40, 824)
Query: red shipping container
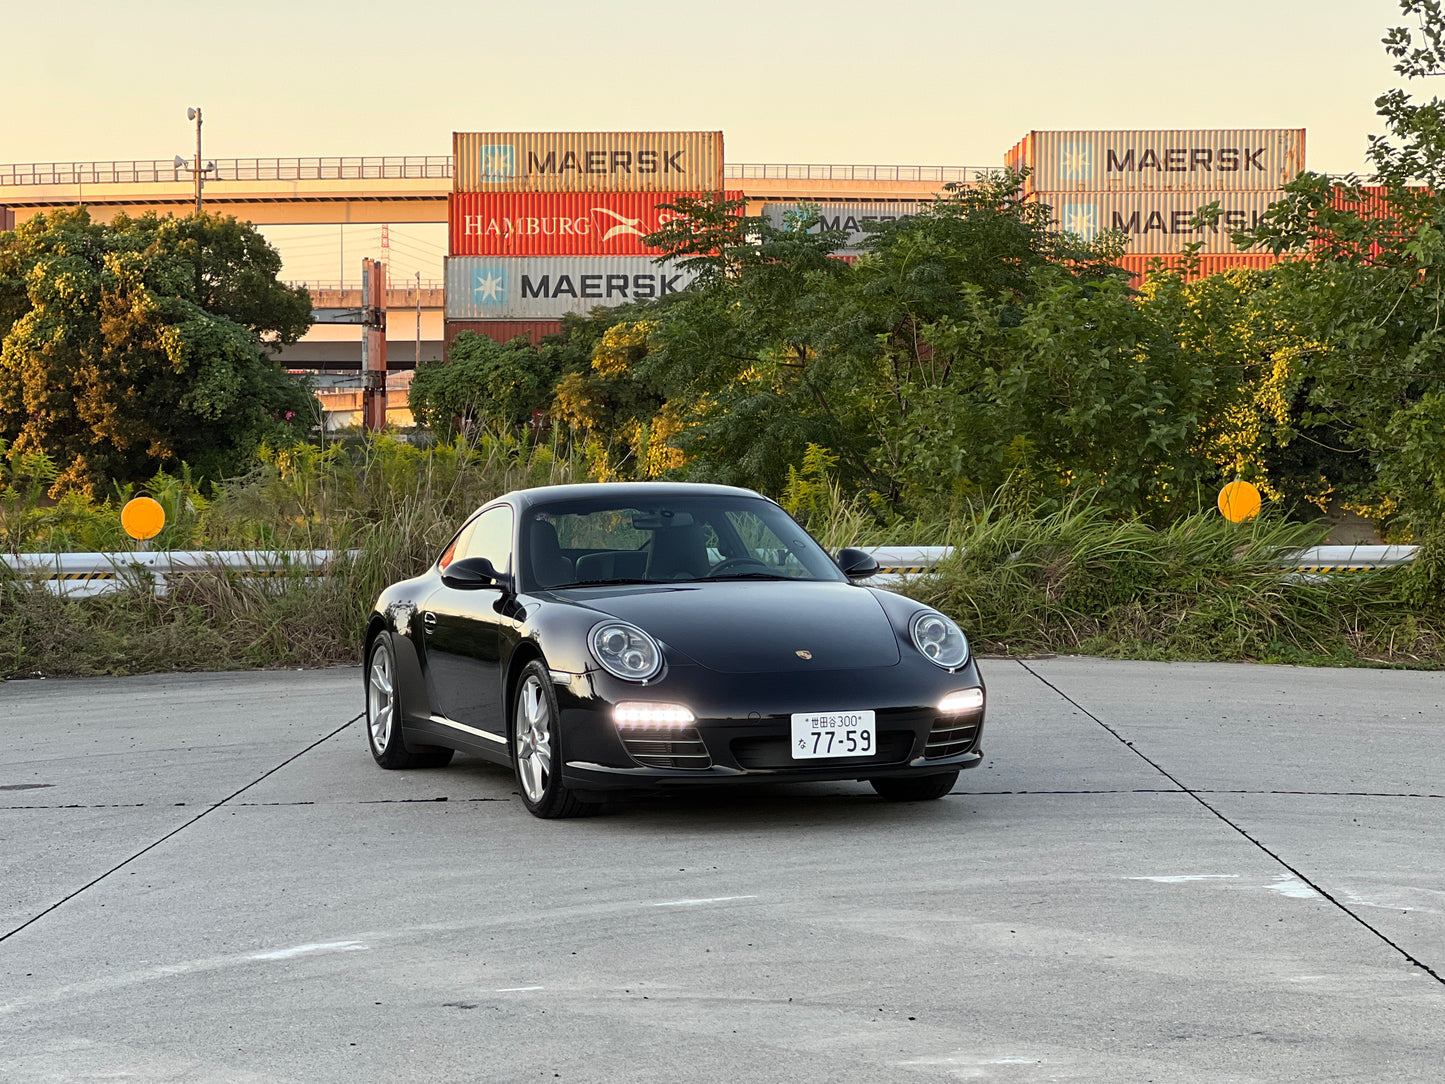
point(1138, 265)
point(503, 331)
point(557, 223)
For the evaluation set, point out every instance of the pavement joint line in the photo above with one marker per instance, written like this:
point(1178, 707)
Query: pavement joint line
point(177, 831)
point(1415, 961)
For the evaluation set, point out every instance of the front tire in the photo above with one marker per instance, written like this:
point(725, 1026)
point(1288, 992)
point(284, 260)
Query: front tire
point(925, 789)
point(537, 748)
point(383, 714)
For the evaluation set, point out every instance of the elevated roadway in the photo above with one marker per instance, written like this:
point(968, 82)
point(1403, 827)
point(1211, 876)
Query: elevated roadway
point(378, 190)
point(314, 191)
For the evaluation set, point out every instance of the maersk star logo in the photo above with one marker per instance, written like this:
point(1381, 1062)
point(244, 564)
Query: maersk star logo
point(1080, 218)
point(497, 162)
point(489, 285)
point(1077, 161)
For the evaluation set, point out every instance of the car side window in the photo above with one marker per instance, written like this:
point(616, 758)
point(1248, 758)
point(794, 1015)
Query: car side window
point(456, 547)
point(489, 536)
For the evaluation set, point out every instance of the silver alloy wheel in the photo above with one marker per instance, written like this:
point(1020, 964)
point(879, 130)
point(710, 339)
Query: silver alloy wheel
point(533, 739)
point(380, 699)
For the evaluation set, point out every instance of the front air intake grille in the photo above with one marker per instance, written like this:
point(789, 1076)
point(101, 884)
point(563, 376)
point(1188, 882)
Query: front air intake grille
point(951, 735)
point(893, 747)
point(665, 747)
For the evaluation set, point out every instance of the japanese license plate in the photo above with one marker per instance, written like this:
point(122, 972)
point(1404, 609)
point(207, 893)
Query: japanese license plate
point(819, 734)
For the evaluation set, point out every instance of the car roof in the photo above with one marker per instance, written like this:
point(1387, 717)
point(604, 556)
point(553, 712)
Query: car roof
point(524, 498)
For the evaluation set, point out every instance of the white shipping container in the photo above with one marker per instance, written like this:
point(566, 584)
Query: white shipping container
point(1176, 160)
point(548, 287)
point(1158, 223)
point(848, 216)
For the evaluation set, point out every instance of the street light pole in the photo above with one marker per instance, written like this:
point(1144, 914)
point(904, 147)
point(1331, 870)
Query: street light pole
point(195, 115)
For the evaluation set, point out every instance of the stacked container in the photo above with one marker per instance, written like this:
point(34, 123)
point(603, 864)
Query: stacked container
point(1149, 185)
point(848, 215)
point(542, 224)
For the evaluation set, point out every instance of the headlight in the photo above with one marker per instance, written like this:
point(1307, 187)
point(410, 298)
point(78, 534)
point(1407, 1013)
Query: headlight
point(638, 713)
point(626, 651)
point(940, 640)
point(961, 701)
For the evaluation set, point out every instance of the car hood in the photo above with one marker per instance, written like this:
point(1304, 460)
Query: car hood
point(741, 627)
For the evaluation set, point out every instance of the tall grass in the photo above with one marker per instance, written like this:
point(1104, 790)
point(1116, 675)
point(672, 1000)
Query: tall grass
point(1020, 583)
point(385, 506)
point(1078, 581)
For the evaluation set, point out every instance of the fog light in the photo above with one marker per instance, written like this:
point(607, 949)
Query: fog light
point(964, 700)
point(643, 713)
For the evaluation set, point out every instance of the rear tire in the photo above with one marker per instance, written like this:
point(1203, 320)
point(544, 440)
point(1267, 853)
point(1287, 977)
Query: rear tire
point(924, 789)
point(537, 749)
point(383, 714)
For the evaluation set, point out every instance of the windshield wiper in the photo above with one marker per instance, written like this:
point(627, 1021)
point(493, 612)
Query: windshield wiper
point(609, 583)
point(751, 576)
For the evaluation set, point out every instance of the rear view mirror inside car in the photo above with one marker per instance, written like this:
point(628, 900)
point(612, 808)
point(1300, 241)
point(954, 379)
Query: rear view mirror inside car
point(661, 520)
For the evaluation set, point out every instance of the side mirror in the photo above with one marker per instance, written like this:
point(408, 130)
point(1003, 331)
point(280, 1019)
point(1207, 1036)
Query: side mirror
point(857, 564)
point(471, 573)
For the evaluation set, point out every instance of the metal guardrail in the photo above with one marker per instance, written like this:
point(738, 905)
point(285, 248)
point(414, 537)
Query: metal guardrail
point(84, 575)
point(898, 562)
point(81, 575)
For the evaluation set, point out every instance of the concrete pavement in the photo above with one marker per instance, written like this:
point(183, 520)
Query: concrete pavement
point(1161, 873)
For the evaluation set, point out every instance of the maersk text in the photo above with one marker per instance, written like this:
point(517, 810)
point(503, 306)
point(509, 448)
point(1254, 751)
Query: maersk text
point(602, 287)
point(1187, 160)
point(606, 162)
point(1180, 222)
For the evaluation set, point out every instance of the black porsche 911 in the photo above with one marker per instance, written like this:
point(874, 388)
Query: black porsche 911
point(636, 636)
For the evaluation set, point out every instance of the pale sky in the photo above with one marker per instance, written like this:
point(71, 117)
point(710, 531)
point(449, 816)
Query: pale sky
point(891, 82)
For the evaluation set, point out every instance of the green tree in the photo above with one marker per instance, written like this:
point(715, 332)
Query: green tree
point(889, 363)
point(145, 343)
point(483, 382)
point(1362, 349)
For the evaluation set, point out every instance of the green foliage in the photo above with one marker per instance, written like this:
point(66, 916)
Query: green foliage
point(1082, 581)
point(1348, 345)
point(483, 384)
point(142, 344)
point(781, 346)
point(391, 505)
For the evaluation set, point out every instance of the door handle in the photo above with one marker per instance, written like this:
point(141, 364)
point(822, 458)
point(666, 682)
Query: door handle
point(429, 619)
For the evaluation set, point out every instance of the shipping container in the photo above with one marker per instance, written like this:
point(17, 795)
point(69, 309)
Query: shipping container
point(1157, 223)
point(587, 161)
point(558, 223)
point(548, 287)
point(1191, 159)
point(1139, 266)
point(848, 216)
point(502, 331)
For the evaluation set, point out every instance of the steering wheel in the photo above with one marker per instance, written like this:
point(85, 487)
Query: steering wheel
point(736, 562)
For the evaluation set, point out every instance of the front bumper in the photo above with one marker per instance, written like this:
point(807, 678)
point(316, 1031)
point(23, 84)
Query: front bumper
point(742, 730)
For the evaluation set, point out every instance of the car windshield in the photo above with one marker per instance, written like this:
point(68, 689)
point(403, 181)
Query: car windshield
point(604, 540)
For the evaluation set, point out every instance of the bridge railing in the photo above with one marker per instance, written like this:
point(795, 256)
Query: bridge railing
point(439, 167)
point(230, 169)
point(400, 285)
point(826, 172)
